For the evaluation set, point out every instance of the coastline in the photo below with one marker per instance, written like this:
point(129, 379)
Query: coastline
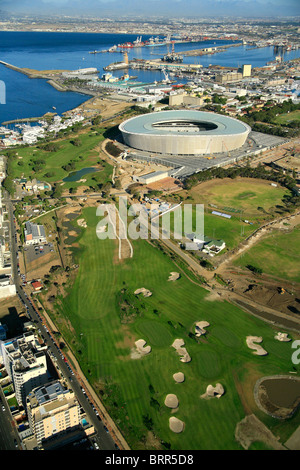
point(48, 76)
point(32, 119)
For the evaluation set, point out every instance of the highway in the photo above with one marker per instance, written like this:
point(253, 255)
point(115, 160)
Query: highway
point(102, 437)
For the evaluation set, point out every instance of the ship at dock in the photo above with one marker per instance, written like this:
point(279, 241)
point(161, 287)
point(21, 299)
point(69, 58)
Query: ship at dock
point(150, 42)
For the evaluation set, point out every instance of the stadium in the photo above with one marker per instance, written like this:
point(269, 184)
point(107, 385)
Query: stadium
point(184, 133)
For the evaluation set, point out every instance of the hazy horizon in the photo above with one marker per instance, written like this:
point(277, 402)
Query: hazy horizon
point(151, 8)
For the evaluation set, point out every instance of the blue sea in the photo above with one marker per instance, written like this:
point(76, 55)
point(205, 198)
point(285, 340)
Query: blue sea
point(27, 97)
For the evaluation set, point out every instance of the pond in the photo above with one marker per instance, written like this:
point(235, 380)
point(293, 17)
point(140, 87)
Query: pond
point(283, 392)
point(77, 175)
point(278, 396)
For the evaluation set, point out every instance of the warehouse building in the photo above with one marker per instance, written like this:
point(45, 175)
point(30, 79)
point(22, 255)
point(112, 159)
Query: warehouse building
point(34, 234)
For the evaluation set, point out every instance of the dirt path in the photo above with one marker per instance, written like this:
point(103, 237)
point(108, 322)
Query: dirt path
point(255, 237)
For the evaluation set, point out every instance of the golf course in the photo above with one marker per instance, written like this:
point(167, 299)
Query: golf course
point(101, 319)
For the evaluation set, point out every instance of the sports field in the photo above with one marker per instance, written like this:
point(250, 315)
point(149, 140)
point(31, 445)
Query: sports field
point(240, 197)
point(101, 320)
point(288, 117)
point(276, 254)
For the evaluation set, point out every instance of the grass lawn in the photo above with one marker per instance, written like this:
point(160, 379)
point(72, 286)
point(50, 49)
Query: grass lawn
point(239, 197)
point(286, 118)
point(84, 156)
point(276, 254)
point(89, 317)
point(232, 231)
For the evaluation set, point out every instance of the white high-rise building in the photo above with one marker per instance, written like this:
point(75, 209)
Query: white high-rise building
point(25, 362)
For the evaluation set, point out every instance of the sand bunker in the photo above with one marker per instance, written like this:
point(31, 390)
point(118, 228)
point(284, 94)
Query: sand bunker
point(179, 377)
point(174, 276)
point(72, 233)
point(199, 328)
point(145, 292)
point(141, 350)
point(171, 401)
point(176, 425)
point(282, 337)
point(258, 350)
point(211, 391)
point(82, 223)
point(178, 345)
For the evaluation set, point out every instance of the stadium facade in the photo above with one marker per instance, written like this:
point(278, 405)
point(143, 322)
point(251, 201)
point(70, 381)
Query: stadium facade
point(184, 132)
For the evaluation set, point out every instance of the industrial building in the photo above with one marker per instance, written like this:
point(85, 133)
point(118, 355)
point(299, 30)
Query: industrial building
point(184, 133)
point(34, 234)
point(185, 99)
point(228, 77)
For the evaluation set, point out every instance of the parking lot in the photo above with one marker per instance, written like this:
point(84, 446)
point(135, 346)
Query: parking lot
point(34, 252)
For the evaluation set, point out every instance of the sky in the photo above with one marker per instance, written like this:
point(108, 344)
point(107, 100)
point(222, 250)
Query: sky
point(172, 8)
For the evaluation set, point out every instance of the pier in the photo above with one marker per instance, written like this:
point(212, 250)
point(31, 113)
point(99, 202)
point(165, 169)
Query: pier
point(208, 50)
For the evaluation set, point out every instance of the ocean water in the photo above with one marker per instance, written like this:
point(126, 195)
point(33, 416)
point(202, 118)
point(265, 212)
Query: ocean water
point(27, 97)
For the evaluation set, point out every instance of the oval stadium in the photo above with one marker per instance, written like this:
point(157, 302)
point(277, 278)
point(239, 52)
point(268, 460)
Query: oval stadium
point(184, 132)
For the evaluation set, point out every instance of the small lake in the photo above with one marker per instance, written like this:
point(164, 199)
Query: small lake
point(278, 396)
point(283, 392)
point(77, 175)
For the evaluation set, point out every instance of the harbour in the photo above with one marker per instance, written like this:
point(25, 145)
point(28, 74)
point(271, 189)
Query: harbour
point(60, 52)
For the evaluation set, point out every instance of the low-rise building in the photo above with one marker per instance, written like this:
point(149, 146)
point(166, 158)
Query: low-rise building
point(151, 177)
point(205, 244)
point(178, 99)
point(34, 234)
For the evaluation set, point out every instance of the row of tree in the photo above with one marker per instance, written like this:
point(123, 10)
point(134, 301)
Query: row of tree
point(260, 172)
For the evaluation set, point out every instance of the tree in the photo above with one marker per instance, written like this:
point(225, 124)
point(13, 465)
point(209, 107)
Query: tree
point(97, 120)
point(9, 185)
point(76, 142)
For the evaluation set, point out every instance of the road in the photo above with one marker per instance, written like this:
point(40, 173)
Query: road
point(9, 438)
point(102, 437)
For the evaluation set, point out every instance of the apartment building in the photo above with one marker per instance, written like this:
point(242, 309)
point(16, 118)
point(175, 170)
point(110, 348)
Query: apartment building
point(25, 362)
point(52, 410)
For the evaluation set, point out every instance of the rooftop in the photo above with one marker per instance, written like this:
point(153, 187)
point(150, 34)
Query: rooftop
point(183, 122)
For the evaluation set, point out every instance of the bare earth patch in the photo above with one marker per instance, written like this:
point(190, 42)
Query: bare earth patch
point(251, 429)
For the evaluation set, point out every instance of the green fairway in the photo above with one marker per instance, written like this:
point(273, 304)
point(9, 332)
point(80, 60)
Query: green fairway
point(277, 255)
point(101, 319)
